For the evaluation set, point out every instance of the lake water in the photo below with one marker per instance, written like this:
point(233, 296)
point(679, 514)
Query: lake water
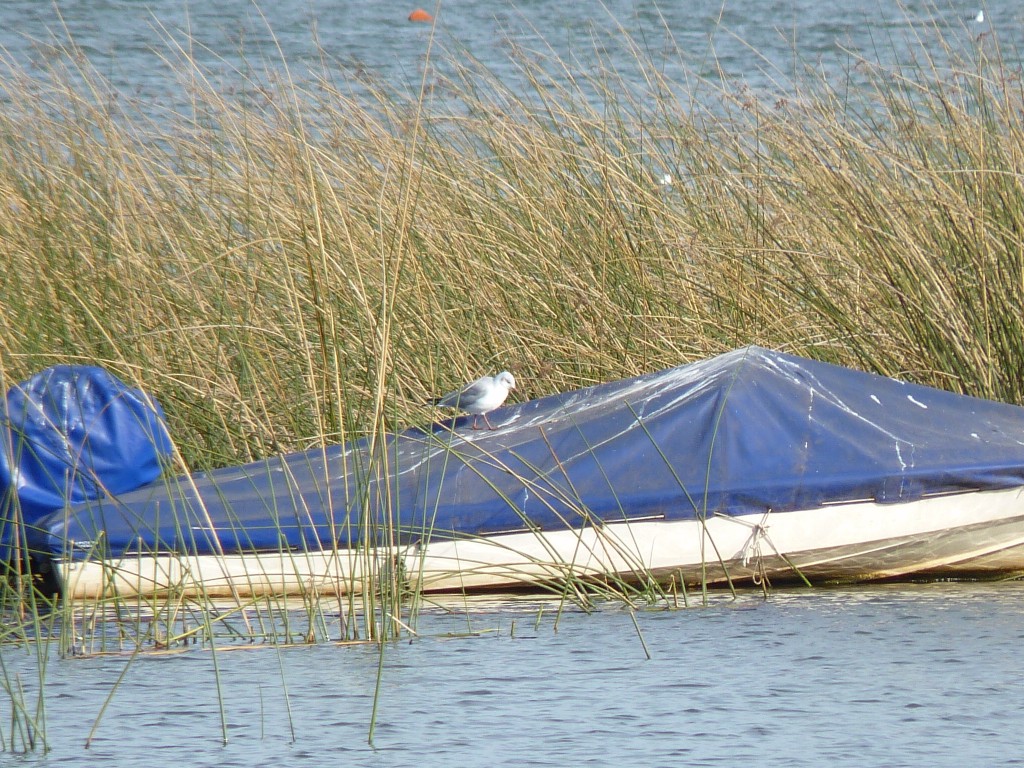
point(749, 41)
point(894, 675)
point(887, 675)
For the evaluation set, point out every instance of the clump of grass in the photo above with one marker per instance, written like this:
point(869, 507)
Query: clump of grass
point(277, 265)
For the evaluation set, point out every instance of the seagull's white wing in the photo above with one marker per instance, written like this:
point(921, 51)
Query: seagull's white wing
point(468, 395)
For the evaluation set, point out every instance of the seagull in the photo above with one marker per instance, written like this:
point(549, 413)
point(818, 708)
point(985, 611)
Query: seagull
point(480, 397)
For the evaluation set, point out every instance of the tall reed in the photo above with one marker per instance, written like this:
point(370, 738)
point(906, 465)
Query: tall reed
point(283, 267)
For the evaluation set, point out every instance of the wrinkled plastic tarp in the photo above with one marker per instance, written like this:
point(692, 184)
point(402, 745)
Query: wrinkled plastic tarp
point(73, 433)
point(746, 432)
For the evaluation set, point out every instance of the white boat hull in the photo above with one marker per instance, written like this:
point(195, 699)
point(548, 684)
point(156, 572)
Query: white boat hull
point(955, 535)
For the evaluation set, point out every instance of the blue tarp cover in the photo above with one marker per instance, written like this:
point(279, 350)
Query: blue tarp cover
point(743, 432)
point(72, 433)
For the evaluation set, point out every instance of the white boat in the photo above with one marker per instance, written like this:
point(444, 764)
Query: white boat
point(751, 465)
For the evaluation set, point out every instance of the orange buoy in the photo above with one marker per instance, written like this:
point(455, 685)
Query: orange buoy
point(420, 15)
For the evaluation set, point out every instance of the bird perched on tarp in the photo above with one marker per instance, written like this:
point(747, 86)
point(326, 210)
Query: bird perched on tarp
point(480, 397)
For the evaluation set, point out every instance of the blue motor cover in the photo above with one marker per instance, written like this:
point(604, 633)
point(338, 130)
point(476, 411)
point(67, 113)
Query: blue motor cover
point(72, 433)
